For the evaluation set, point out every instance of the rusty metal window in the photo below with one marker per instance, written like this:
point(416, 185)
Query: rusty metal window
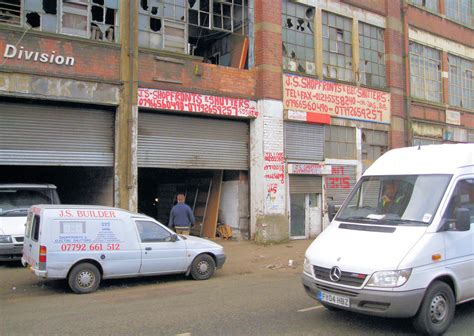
point(461, 87)
point(10, 12)
point(425, 72)
point(340, 142)
point(298, 38)
point(337, 46)
point(371, 55)
point(222, 15)
point(460, 10)
point(432, 5)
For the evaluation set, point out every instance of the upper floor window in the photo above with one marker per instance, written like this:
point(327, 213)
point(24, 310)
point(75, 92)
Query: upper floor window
point(337, 46)
point(371, 55)
point(459, 10)
point(94, 19)
point(425, 72)
point(461, 79)
point(298, 39)
point(432, 5)
point(340, 142)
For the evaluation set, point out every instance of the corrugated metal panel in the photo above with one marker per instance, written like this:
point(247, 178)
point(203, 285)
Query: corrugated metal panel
point(304, 141)
point(170, 141)
point(340, 183)
point(305, 184)
point(51, 135)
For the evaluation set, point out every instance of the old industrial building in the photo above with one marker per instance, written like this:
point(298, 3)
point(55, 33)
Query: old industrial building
point(262, 112)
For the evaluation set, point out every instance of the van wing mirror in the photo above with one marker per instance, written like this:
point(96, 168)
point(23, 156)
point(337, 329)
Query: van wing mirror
point(331, 211)
point(463, 219)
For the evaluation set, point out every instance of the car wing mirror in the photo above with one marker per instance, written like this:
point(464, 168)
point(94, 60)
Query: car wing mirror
point(174, 237)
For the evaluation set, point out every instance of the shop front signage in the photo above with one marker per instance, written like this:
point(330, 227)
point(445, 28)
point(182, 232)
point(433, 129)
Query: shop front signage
point(309, 168)
point(316, 99)
point(13, 52)
point(198, 103)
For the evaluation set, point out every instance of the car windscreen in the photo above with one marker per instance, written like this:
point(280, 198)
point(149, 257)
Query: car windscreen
point(395, 200)
point(17, 201)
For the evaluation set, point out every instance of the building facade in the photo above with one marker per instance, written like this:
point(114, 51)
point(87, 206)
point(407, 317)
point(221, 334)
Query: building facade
point(262, 112)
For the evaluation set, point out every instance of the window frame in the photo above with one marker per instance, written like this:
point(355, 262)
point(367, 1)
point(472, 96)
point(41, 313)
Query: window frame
point(161, 227)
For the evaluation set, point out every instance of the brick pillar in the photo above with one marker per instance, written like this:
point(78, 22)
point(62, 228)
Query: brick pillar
point(395, 62)
point(269, 218)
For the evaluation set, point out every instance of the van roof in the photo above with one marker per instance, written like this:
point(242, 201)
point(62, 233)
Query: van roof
point(27, 186)
point(430, 159)
point(89, 207)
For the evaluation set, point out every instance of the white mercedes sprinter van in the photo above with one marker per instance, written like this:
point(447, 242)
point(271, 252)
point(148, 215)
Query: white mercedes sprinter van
point(85, 244)
point(15, 200)
point(402, 244)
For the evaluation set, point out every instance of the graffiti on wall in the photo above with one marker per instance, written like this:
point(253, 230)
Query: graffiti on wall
point(338, 179)
point(312, 96)
point(274, 169)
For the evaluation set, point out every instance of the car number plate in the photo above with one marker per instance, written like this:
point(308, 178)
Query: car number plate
point(335, 299)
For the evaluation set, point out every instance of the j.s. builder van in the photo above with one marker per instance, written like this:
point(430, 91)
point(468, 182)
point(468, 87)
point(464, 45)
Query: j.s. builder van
point(402, 244)
point(85, 244)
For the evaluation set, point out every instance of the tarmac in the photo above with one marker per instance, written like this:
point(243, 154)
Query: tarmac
point(248, 257)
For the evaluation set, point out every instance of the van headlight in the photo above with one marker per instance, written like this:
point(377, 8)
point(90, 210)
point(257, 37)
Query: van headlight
point(5, 239)
point(388, 279)
point(307, 266)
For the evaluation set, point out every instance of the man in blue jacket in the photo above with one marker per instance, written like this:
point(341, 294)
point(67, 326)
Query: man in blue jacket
point(181, 216)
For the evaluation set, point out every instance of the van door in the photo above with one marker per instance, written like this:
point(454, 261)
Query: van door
point(160, 255)
point(31, 247)
point(460, 244)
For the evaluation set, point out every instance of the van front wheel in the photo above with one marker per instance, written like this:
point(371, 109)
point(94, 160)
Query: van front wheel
point(84, 278)
point(436, 311)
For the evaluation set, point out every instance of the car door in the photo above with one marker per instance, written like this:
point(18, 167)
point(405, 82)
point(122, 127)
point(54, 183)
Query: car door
point(460, 244)
point(160, 254)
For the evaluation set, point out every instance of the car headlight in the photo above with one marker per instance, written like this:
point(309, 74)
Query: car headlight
point(5, 239)
point(307, 266)
point(389, 279)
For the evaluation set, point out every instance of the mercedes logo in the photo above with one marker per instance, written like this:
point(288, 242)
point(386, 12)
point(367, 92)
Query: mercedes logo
point(335, 274)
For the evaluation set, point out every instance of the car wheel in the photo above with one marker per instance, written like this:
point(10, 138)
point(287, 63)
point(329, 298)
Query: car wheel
point(436, 311)
point(203, 267)
point(84, 278)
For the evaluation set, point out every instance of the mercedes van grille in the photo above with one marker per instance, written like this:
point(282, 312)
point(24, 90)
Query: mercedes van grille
point(347, 278)
point(335, 290)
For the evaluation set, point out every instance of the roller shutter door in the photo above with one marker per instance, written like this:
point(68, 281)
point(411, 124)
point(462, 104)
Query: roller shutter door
point(40, 135)
point(340, 183)
point(305, 184)
point(304, 141)
point(171, 141)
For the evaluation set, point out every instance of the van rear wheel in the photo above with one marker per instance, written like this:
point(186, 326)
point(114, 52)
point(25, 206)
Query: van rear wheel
point(436, 311)
point(84, 278)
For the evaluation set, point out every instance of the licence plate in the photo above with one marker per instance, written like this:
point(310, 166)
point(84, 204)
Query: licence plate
point(335, 299)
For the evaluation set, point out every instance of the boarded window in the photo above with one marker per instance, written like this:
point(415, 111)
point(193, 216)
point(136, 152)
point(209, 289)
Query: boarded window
point(340, 142)
point(337, 46)
point(425, 72)
point(432, 5)
point(461, 88)
point(459, 10)
point(298, 38)
point(374, 144)
point(371, 55)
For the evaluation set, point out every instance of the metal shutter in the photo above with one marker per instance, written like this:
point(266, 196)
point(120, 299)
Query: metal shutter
point(304, 141)
point(170, 141)
point(305, 184)
point(340, 183)
point(40, 135)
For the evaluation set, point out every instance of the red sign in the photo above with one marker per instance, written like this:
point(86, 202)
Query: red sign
point(193, 102)
point(312, 96)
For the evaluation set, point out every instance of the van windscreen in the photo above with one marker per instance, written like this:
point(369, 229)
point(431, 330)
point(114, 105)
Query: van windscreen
point(16, 201)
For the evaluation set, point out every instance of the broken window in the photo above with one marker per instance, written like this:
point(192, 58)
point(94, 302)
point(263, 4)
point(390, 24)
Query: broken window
point(432, 5)
point(460, 10)
point(461, 82)
point(337, 46)
point(10, 12)
point(371, 55)
point(298, 38)
point(425, 72)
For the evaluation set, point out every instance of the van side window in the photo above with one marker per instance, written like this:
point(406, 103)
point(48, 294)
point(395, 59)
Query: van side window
point(35, 228)
point(152, 232)
point(463, 197)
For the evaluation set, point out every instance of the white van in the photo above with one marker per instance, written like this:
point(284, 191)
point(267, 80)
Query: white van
point(85, 244)
point(402, 244)
point(15, 200)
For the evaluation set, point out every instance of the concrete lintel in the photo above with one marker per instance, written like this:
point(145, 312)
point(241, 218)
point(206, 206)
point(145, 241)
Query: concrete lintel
point(267, 26)
point(269, 68)
point(394, 58)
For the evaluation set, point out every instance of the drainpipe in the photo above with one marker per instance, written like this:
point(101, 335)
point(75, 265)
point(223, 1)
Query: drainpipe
point(406, 59)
